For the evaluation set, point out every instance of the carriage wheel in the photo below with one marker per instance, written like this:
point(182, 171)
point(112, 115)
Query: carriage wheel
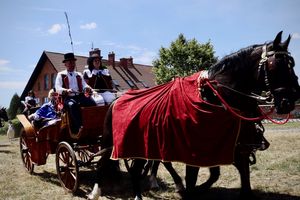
point(25, 152)
point(129, 163)
point(67, 167)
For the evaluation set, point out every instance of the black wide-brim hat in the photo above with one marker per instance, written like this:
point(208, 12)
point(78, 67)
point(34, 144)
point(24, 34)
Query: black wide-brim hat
point(69, 56)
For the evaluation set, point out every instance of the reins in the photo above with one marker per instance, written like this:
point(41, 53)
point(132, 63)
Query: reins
point(264, 115)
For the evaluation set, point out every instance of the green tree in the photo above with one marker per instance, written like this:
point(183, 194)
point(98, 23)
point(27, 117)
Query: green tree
point(14, 107)
point(183, 57)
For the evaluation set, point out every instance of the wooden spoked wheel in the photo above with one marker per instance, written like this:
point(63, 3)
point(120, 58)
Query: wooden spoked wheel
point(67, 167)
point(25, 152)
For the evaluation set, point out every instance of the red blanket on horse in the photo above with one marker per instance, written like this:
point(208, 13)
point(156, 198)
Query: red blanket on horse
point(171, 122)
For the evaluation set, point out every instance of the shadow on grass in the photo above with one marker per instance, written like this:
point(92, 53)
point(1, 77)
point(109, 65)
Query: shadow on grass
point(120, 187)
point(233, 194)
point(48, 177)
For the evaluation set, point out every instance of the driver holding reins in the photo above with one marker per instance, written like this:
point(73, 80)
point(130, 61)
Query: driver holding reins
point(72, 86)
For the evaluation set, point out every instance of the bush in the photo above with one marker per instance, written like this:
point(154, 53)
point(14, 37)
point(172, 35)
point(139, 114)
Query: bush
point(3, 130)
point(17, 126)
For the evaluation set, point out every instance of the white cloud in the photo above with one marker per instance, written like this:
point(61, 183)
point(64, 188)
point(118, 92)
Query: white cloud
point(89, 26)
point(55, 28)
point(145, 58)
point(296, 35)
point(3, 62)
point(3, 67)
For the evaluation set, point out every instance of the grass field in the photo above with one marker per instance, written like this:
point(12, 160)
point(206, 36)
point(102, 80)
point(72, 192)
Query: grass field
point(275, 176)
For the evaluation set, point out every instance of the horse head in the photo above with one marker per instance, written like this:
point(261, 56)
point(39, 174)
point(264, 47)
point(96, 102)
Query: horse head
point(265, 67)
point(3, 115)
point(278, 71)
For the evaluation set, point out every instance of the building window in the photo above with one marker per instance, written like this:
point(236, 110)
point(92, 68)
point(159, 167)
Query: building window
point(46, 99)
point(144, 84)
point(37, 100)
point(115, 83)
point(46, 82)
point(130, 83)
point(53, 77)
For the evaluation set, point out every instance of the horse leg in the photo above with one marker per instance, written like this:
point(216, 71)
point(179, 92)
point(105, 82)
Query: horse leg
point(214, 176)
point(191, 175)
point(136, 172)
point(177, 179)
point(242, 165)
point(153, 175)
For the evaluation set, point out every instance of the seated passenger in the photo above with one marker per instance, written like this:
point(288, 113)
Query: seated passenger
point(29, 103)
point(71, 84)
point(47, 113)
point(98, 77)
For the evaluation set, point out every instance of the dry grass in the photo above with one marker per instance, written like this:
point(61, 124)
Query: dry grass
point(275, 176)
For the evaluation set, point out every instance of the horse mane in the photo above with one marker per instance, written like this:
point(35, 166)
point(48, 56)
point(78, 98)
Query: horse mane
point(233, 60)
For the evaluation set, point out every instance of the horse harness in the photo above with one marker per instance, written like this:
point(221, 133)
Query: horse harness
point(268, 63)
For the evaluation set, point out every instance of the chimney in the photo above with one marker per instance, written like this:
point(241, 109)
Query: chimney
point(111, 59)
point(123, 62)
point(130, 62)
point(96, 50)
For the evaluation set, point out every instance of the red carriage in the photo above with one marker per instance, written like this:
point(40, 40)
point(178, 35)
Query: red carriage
point(72, 150)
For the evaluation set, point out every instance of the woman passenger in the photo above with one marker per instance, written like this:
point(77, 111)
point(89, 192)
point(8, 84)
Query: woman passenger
point(98, 77)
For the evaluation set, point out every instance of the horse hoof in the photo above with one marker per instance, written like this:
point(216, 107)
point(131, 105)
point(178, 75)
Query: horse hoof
point(95, 194)
point(138, 198)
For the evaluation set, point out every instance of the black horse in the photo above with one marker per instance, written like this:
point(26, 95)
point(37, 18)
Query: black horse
point(235, 82)
point(3, 115)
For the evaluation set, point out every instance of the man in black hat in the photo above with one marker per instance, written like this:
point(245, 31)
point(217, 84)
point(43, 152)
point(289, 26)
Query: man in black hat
point(71, 84)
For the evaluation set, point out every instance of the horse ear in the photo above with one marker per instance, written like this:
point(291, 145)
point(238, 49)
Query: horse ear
point(285, 44)
point(277, 39)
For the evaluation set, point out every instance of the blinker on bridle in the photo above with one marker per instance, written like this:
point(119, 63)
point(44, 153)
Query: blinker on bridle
point(266, 63)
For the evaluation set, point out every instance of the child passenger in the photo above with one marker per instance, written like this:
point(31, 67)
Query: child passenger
point(47, 113)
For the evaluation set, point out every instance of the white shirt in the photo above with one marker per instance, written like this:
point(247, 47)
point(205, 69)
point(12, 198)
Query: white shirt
point(104, 72)
point(72, 81)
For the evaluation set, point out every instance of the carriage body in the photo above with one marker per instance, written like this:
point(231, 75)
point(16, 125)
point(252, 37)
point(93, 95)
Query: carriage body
point(72, 150)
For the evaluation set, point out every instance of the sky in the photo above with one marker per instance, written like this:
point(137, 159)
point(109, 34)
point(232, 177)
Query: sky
point(137, 28)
